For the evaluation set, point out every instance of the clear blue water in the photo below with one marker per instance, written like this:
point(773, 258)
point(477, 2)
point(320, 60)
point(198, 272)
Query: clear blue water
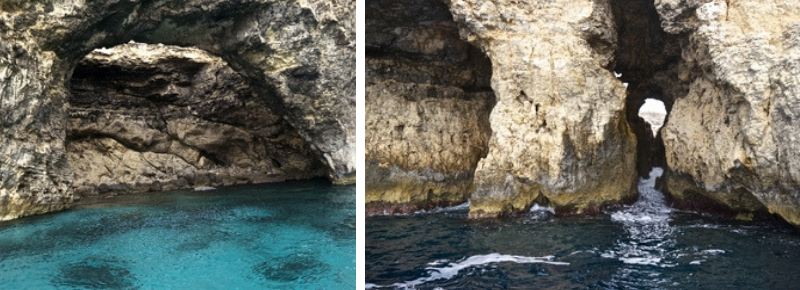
point(643, 246)
point(298, 235)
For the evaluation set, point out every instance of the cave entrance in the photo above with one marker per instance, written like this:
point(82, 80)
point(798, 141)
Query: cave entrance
point(144, 117)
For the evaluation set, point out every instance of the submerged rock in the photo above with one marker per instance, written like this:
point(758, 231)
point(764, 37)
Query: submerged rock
point(298, 58)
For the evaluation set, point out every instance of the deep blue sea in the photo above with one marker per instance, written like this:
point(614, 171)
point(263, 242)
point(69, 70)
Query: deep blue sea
point(646, 245)
point(295, 235)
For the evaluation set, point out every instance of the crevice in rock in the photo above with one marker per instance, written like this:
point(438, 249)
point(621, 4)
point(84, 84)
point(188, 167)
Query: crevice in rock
point(651, 61)
point(152, 117)
point(647, 59)
point(428, 100)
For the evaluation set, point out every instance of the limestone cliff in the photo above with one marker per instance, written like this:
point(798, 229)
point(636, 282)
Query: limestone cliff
point(297, 56)
point(563, 127)
point(558, 130)
point(733, 137)
point(427, 107)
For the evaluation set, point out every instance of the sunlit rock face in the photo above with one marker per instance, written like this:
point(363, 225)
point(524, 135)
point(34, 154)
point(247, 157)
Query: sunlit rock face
point(298, 57)
point(155, 117)
point(733, 136)
point(428, 101)
point(556, 134)
point(559, 133)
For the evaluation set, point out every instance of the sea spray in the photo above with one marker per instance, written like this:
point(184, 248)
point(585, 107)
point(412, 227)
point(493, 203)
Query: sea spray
point(450, 270)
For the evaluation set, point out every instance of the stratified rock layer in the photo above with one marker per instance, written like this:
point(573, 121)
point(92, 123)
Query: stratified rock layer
point(733, 137)
point(427, 107)
point(559, 134)
point(298, 56)
point(154, 117)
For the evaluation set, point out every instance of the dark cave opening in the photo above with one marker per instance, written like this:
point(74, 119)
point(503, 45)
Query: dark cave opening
point(647, 58)
point(145, 117)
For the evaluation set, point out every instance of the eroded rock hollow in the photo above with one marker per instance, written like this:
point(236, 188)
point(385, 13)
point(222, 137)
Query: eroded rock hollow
point(154, 117)
point(296, 58)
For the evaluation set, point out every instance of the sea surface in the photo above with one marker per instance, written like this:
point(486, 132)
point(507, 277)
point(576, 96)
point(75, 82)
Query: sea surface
point(296, 235)
point(646, 245)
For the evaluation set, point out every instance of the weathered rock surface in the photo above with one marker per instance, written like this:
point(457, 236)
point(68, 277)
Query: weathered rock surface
point(561, 127)
point(427, 107)
point(558, 130)
point(733, 137)
point(559, 134)
point(155, 117)
point(297, 56)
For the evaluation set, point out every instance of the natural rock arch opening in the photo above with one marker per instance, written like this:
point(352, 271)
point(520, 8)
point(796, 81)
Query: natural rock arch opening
point(147, 117)
point(428, 100)
point(652, 61)
point(647, 59)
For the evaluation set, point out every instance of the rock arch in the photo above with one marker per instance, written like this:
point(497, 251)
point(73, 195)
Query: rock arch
point(299, 56)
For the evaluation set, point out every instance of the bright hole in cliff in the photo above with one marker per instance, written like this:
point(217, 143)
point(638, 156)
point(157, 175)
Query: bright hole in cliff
point(653, 112)
point(146, 117)
point(647, 58)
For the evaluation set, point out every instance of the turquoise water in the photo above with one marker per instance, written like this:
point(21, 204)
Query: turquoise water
point(298, 235)
point(646, 245)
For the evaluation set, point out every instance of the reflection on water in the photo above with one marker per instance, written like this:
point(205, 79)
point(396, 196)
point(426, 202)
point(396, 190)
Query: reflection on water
point(643, 246)
point(283, 236)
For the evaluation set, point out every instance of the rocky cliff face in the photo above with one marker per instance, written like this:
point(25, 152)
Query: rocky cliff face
point(298, 57)
point(427, 107)
point(558, 130)
point(733, 137)
point(562, 130)
point(559, 134)
point(155, 117)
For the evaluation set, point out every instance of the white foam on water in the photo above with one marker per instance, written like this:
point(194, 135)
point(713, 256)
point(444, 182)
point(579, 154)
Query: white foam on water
point(651, 261)
point(204, 188)
point(539, 212)
point(696, 262)
point(647, 223)
point(537, 208)
point(459, 207)
point(713, 252)
point(650, 208)
point(450, 270)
